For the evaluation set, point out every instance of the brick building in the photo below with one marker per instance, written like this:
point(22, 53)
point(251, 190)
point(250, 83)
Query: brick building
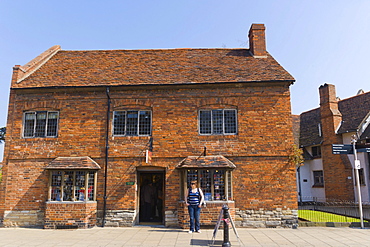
point(326, 176)
point(88, 131)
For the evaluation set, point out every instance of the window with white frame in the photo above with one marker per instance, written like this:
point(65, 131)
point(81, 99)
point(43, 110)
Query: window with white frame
point(40, 124)
point(318, 179)
point(218, 122)
point(215, 183)
point(132, 123)
point(76, 185)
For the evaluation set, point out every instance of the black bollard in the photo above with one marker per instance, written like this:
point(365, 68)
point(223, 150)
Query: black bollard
point(226, 242)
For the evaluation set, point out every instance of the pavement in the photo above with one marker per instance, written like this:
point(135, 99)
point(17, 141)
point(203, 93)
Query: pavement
point(160, 236)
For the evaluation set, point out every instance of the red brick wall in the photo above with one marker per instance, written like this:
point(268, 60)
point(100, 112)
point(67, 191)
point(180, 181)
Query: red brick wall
point(263, 178)
point(80, 215)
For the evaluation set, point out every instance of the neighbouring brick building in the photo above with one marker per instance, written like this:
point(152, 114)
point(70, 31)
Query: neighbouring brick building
point(326, 176)
point(89, 131)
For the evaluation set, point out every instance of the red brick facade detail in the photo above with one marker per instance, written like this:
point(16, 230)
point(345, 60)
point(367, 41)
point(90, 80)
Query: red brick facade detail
point(70, 215)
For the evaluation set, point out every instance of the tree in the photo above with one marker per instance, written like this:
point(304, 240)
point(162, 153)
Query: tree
point(296, 156)
point(2, 134)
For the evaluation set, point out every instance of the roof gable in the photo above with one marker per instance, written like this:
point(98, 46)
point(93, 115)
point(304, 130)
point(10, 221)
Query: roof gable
point(153, 67)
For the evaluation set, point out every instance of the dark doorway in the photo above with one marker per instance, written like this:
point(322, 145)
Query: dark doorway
point(151, 205)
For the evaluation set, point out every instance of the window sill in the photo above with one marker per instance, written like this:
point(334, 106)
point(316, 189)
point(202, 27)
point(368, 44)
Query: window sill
point(69, 202)
point(40, 138)
point(317, 186)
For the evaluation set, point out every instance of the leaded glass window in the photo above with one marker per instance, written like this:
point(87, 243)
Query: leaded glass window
point(215, 183)
point(72, 185)
point(218, 122)
point(132, 123)
point(40, 124)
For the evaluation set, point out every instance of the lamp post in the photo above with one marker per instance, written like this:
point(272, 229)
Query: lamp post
point(357, 167)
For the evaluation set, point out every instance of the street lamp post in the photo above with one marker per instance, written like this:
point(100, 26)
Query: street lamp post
point(357, 167)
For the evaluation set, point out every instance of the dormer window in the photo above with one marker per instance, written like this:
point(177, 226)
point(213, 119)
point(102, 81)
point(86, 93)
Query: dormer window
point(40, 124)
point(316, 152)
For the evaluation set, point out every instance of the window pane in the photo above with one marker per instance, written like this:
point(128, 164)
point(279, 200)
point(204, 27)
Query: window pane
point(56, 183)
point(119, 123)
point(29, 124)
point(52, 124)
point(144, 123)
point(191, 175)
point(91, 185)
point(219, 184)
point(205, 122)
point(206, 184)
point(217, 118)
point(229, 185)
point(80, 186)
point(230, 121)
point(132, 123)
point(318, 178)
point(68, 186)
point(40, 124)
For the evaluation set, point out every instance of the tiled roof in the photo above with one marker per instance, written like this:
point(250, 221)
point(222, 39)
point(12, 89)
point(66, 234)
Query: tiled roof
point(65, 163)
point(309, 128)
point(354, 110)
point(211, 161)
point(149, 67)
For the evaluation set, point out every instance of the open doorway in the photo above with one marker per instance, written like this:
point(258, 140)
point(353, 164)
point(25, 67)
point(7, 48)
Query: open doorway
point(151, 204)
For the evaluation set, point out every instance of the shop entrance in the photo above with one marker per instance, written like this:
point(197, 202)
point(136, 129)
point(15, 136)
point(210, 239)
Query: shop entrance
point(151, 196)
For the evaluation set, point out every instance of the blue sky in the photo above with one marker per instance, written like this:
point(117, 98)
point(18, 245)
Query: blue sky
point(316, 41)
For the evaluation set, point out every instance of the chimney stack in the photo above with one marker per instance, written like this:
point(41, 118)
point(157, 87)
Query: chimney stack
point(330, 114)
point(257, 41)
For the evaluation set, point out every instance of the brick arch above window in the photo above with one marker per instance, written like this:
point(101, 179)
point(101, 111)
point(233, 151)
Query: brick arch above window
point(212, 106)
point(132, 107)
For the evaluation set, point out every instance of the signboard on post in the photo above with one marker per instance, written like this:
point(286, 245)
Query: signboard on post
point(342, 149)
point(363, 150)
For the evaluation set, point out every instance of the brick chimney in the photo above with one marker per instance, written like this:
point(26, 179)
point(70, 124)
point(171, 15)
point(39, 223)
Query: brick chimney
point(330, 114)
point(257, 41)
point(337, 168)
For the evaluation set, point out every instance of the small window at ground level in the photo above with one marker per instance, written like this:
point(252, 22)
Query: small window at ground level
point(218, 122)
point(72, 186)
point(215, 183)
point(132, 123)
point(40, 124)
point(318, 178)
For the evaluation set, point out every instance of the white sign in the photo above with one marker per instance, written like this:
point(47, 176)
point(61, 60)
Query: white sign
point(357, 164)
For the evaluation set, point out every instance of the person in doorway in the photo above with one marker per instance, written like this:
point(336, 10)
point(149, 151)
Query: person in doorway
point(194, 200)
point(148, 200)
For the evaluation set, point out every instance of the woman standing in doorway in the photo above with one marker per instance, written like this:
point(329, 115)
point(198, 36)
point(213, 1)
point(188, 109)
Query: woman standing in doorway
point(194, 200)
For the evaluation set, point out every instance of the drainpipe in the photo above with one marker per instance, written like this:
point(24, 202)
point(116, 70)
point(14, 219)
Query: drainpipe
point(106, 156)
